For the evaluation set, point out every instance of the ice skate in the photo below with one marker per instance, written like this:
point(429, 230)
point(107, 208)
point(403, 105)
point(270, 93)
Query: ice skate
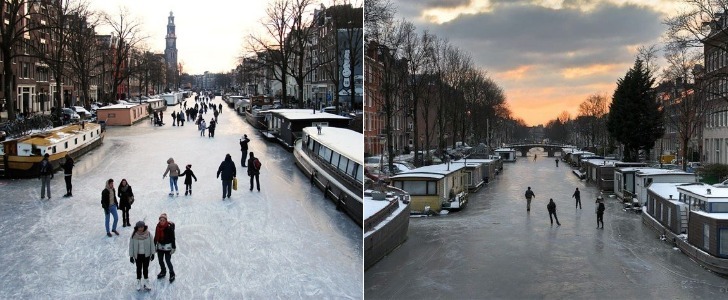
point(171, 278)
point(147, 286)
point(139, 285)
point(161, 275)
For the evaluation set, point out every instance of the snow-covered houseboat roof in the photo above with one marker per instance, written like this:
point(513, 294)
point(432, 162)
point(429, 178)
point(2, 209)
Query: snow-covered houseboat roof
point(434, 171)
point(304, 114)
point(344, 141)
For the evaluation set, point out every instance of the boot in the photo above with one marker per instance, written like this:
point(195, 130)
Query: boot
point(171, 278)
point(147, 286)
point(161, 274)
point(139, 285)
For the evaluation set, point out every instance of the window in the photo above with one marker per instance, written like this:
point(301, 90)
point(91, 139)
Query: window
point(723, 242)
point(415, 187)
point(720, 207)
point(26, 71)
point(66, 145)
point(335, 159)
point(669, 216)
point(706, 237)
point(75, 141)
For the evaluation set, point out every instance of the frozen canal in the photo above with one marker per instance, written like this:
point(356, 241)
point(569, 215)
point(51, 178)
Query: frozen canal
point(286, 241)
point(494, 249)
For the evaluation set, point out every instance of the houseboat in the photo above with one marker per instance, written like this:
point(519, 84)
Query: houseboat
point(601, 171)
point(334, 160)
point(474, 173)
point(386, 221)
point(433, 188)
point(253, 112)
point(155, 105)
point(122, 114)
point(21, 157)
point(286, 125)
point(506, 154)
point(703, 239)
point(647, 176)
point(624, 184)
point(240, 103)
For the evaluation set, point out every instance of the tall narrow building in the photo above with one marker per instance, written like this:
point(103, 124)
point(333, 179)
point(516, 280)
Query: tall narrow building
point(170, 54)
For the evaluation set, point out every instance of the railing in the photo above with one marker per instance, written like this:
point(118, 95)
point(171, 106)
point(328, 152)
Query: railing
point(20, 127)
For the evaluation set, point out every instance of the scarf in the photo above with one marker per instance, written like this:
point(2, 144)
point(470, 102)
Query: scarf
point(159, 232)
point(123, 188)
point(112, 197)
point(141, 236)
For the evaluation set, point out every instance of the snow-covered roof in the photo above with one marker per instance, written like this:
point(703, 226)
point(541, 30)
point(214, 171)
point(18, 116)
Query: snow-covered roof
point(701, 190)
point(476, 160)
point(657, 172)
point(433, 171)
point(601, 162)
point(118, 106)
point(304, 114)
point(57, 134)
point(629, 169)
point(505, 150)
point(470, 163)
point(371, 207)
point(717, 216)
point(664, 190)
point(344, 141)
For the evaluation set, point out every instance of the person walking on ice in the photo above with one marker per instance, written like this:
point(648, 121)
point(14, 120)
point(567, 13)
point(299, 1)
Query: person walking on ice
point(228, 170)
point(109, 204)
point(188, 174)
point(529, 195)
point(577, 196)
point(600, 212)
point(202, 126)
point(173, 170)
point(254, 170)
point(166, 246)
point(141, 251)
point(557, 162)
point(244, 149)
point(46, 174)
point(552, 212)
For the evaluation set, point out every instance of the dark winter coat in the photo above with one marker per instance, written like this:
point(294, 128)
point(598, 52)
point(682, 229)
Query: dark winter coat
point(600, 209)
point(46, 168)
point(107, 199)
point(530, 194)
point(164, 234)
point(68, 166)
point(188, 174)
point(251, 167)
point(577, 195)
point(227, 169)
point(244, 144)
point(212, 125)
point(551, 207)
point(124, 197)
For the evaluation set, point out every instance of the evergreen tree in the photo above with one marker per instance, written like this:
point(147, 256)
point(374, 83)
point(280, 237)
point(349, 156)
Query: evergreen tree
point(635, 115)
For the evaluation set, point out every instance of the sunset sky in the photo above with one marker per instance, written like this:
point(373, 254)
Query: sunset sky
point(548, 55)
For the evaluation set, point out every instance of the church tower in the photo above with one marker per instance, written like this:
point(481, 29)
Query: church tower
point(170, 54)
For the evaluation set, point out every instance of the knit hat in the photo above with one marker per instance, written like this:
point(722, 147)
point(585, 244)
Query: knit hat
point(139, 224)
point(164, 215)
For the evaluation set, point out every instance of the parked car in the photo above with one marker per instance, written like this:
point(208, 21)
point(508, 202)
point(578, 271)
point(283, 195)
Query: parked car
point(372, 161)
point(81, 111)
point(70, 115)
point(329, 109)
point(375, 174)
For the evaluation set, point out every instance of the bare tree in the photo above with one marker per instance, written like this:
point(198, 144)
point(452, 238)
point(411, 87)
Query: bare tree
point(301, 34)
point(16, 27)
point(273, 47)
point(128, 32)
point(593, 110)
point(83, 50)
point(377, 13)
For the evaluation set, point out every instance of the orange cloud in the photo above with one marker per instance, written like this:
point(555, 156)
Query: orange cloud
point(598, 69)
point(540, 105)
point(515, 74)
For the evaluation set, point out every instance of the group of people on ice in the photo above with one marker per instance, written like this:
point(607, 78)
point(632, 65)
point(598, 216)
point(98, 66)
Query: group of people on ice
point(551, 206)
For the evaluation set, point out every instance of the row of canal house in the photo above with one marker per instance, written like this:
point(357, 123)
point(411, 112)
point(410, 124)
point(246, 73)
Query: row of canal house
point(445, 186)
point(695, 217)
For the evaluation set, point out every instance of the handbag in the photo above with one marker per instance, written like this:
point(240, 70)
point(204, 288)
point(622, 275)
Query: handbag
point(131, 200)
point(235, 183)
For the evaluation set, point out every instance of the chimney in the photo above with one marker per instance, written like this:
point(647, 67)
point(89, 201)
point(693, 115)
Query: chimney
point(670, 196)
point(708, 191)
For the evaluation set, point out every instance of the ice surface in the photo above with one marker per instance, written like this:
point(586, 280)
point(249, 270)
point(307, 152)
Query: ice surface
point(286, 241)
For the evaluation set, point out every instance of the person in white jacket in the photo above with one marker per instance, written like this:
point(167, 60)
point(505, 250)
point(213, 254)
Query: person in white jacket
point(141, 251)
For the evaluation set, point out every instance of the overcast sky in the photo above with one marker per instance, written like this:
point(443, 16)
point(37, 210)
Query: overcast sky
point(548, 55)
point(210, 34)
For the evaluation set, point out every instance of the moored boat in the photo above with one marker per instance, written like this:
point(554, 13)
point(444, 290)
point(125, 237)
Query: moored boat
point(333, 159)
point(22, 156)
point(386, 221)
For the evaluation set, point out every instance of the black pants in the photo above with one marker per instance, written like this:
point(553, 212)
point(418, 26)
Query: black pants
point(578, 202)
point(188, 187)
point(245, 155)
point(69, 186)
point(554, 217)
point(257, 181)
point(142, 264)
point(600, 219)
point(125, 216)
point(165, 256)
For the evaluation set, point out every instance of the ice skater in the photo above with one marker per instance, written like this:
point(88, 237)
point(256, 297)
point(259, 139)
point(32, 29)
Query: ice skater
point(166, 246)
point(211, 128)
point(577, 196)
point(228, 171)
point(188, 174)
point(141, 251)
point(126, 199)
point(67, 173)
point(557, 162)
point(529, 195)
point(254, 170)
point(173, 170)
point(202, 126)
point(46, 174)
point(552, 212)
point(244, 149)
point(600, 212)
point(109, 203)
